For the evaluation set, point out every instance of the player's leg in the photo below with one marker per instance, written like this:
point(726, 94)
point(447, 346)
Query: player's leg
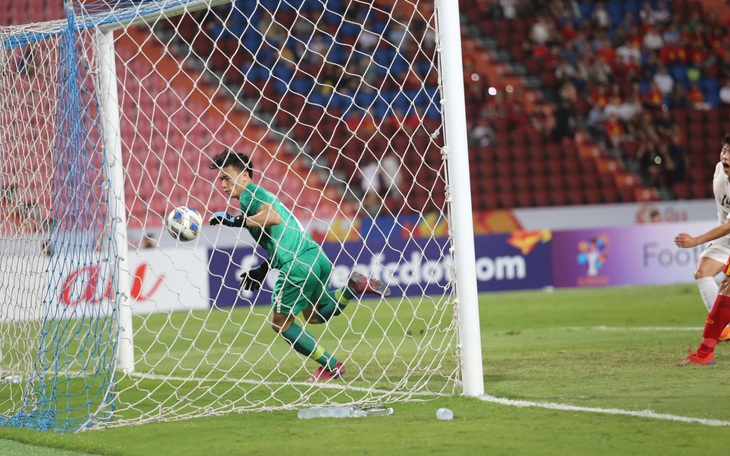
point(287, 301)
point(712, 261)
point(326, 304)
point(330, 303)
point(717, 320)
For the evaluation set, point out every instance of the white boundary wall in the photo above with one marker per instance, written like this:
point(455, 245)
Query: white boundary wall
point(157, 285)
point(613, 215)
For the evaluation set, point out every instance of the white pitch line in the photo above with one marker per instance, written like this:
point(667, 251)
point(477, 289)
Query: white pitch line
point(321, 385)
point(573, 408)
point(615, 328)
point(647, 328)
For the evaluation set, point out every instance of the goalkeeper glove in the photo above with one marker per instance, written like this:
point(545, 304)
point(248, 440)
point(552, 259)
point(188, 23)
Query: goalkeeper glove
point(223, 218)
point(252, 279)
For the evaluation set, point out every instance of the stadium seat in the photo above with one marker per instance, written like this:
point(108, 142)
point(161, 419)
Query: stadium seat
point(681, 190)
point(558, 197)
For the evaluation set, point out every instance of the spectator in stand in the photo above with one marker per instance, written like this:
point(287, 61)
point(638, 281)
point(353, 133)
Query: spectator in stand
point(614, 131)
point(653, 164)
point(697, 54)
point(361, 123)
point(613, 108)
point(662, 14)
point(629, 51)
point(632, 70)
point(541, 31)
point(678, 98)
point(647, 15)
point(482, 135)
point(630, 108)
point(672, 53)
point(370, 184)
point(665, 126)
point(653, 40)
point(564, 71)
point(650, 66)
point(653, 98)
point(725, 93)
point(600, 17)
point(678, 157)
point(543, 120)
point(516, 116)
point(643, 130)
point(596, 120)
point(663, 80)
point(568, 92)
point(509, 8)
point(599, 96)
point(697, 98)
point(671, 34)
point(390, 175)
point(600, 71)
point(401, 121)
point(564, 121)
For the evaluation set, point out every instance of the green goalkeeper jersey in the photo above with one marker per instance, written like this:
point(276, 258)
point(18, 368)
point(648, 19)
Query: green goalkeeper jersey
point(283, 242)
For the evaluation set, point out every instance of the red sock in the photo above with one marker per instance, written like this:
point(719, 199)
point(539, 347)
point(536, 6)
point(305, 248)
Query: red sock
point(718, 318)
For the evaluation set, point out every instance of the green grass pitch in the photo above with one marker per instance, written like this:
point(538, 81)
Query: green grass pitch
point(608, 352)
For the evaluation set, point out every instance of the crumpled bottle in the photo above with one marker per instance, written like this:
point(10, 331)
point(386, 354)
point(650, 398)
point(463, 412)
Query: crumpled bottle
point(344, 411)
point(341, 411)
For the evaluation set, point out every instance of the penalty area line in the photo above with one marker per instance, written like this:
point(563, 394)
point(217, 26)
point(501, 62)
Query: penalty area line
point(610, 411)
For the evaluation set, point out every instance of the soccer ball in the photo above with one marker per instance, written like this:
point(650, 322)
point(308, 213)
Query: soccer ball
point(184, 223)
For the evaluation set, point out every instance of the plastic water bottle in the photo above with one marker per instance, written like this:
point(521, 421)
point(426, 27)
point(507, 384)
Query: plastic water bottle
point(371, 410)
point(444, 414)
point(324, 412)
point(11, 379)
point(344, 411)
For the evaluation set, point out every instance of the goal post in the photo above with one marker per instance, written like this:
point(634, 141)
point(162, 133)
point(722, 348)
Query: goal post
point(353, 115)
point(457, 151)
point(111, 128)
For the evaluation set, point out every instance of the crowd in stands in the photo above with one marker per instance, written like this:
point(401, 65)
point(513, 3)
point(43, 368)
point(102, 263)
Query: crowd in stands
point(621, 71)
point(348, 81)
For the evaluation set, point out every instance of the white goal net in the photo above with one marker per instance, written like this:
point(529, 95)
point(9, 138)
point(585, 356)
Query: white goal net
point(109, 120)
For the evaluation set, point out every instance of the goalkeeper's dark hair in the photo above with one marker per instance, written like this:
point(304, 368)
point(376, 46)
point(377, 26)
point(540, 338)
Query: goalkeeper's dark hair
point(228, 157)
point(726, 139)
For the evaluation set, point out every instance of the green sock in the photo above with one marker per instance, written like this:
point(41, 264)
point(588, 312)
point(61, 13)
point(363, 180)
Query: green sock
point(344, 295)
point(334, 305)
point(304, 343)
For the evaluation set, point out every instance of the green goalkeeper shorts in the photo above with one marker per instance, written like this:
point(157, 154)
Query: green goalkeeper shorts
point(305, 283)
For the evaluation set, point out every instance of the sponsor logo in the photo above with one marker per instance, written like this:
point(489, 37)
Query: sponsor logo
point(593, 254)
point(88, 285)
point(650, 213)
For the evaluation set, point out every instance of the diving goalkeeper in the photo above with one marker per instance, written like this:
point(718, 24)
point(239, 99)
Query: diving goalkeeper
point(303, 283)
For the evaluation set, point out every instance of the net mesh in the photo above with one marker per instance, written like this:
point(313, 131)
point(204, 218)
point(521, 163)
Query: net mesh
point(337, 103)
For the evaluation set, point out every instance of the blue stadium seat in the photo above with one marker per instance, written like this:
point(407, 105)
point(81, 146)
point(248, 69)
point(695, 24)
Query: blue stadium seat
point(341, 101)
point(586, 9)
point(301, 85)
point(678, 73)
point(399, 65)
point(644, 87)
point(383, 57)
point(713, 98)
point(318, 98)
point(709, 85)
point(365, 98)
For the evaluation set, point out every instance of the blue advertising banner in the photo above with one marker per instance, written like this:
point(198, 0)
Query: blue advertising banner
point(410, 266)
